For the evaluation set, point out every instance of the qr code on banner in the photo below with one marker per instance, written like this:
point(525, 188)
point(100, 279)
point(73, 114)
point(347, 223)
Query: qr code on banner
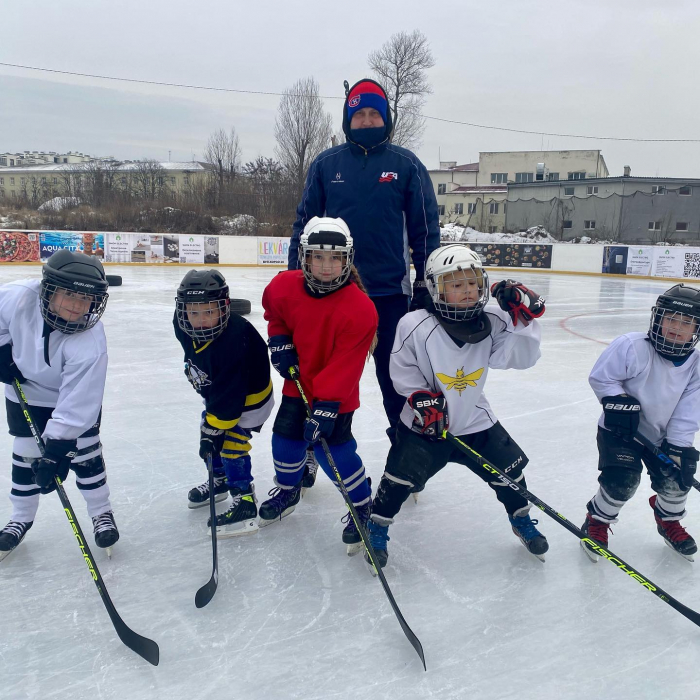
point(183, 260)
point(691, 266)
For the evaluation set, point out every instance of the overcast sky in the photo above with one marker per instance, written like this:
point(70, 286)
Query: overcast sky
point(623, 68)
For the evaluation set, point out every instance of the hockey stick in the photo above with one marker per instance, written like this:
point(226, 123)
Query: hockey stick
point(206, 592)
point(415, 642)
point(662, 456)
point(143, 646)
point(605, 553)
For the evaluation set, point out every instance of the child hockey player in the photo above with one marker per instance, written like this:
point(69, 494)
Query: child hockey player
point(322, 324)
point(439, 362)
point(649, 382)
point(52, 340)
point(226, 362)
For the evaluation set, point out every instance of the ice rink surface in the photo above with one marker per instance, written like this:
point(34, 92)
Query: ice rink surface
point(294, 617)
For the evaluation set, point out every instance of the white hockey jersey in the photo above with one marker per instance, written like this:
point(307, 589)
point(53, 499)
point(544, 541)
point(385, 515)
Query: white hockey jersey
point(669, 395)
point(425, 357)
point(73, 384)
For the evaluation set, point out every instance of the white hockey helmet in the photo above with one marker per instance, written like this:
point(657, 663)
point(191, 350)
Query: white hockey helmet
point(455, 261)
point(324, 233)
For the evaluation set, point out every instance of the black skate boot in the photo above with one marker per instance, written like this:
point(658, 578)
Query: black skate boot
point(351, 535)
point(310, 470)
point(524, 528)
point(597, 531)
point(11, 535)
point(674, 534)
point(378, 529)
point(283, 502)
point(240, 518)
point(106, 533)
point(199, 495)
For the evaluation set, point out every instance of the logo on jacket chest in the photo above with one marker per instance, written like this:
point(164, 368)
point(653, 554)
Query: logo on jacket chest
point(461, 381)
point(195, 376)
point(338, 179)
point(388, 177)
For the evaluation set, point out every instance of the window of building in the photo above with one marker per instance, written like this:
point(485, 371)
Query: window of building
point(65, 160)
point(499, 178)
point(172, 180)
point(681, 225)
point(569, 191)
point(442, 188)
point(3, 161)
point(567, 223)
point(524, 177)
point(492, 229)
point(685, 191)
point(658, 189)
point(493, 208)
point(12, 181)
point(12, 162)
point(123, 181)
point(441, 210)
point(21, 181)
point(186, 180)
point(654, 226)
point(592, 189)
point(579, 175)
point(471, 208)
point(459, 209)
point(2, 194)
point(13, 193)
point(552, 176)
point(160, 181)
point(2, 180)
point(589, 225)
point(55, 181)
point(43, 180)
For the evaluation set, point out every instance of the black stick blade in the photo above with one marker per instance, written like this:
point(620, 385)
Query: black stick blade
point(206, 592)
point(144, 647)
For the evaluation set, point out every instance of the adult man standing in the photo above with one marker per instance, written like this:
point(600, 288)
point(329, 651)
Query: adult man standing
point(383, 192)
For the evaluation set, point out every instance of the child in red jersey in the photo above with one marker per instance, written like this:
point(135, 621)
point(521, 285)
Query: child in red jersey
point(322, 324)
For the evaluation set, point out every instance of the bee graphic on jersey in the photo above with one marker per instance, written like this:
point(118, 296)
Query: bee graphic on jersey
point(195, 376)
point(461, 381)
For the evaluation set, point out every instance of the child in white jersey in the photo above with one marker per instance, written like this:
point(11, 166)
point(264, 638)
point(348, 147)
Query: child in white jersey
point(649, 382)
point(439, 362)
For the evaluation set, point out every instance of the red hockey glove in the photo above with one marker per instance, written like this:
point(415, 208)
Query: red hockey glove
point(429, 413)
point(520, 302)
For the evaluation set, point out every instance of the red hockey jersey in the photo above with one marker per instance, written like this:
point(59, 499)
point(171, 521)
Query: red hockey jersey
point(332, 335)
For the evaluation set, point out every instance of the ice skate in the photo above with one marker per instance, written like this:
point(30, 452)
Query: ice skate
point(597, 531)
point(240, 518)
point(416, 490)
point(378, 530)
point(524, 528)
point(199, 495)
point(11, 535)
point(310, 471)
point(282, 504)
point(351, 535)
point(674, 534)
point(105, 530)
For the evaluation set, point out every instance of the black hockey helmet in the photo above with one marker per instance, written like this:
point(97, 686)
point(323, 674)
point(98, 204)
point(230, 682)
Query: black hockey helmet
point(69, 280)
point(207, 288)
point(680, 308)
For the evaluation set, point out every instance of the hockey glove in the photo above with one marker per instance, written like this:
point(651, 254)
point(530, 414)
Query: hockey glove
point(520, 302)
point(321, 422)
point(8, 368)
point(687, 460)
point(420, 296)
point(429, 413)
point(211, 440)
point(621, 415)
point(55, 463)
point(283, 355)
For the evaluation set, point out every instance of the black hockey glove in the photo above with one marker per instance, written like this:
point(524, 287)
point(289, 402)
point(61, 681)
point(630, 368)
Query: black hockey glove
point(520, 302)
point(420, 295)
point(321, 422)
point(283, 355)
point(55, 463)
point(8, 368)
point(687, 460)
point(211, 440)
point(621, 415)
point(429, 413)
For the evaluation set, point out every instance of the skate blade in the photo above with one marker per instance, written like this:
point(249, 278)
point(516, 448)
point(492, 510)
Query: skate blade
point(415, 498)
point(687, 557)
point(108, 552)
point(595, 558)
point(304, 489)
point(264, 523)
point(6, 553)
point(355, 548)
point(217, 499)
point(245, 527)
point(372, 569)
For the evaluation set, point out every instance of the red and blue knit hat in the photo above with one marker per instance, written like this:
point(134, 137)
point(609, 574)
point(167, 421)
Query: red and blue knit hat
point(364, 94)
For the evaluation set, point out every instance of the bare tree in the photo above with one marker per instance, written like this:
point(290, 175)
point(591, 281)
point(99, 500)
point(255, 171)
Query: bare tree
point(223, 153)
point(400, 67)
point(149, 179)
point(302, 129)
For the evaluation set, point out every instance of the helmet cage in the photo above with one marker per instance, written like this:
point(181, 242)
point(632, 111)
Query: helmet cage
point(334, 241)
point(202, 335)
point(51, 306)
point(665, 347)
point(435, 283)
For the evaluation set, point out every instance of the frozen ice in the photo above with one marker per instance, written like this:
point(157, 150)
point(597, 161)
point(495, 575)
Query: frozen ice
point(293, 616)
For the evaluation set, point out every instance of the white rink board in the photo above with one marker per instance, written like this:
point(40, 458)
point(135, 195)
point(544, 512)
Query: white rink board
point(294, 617)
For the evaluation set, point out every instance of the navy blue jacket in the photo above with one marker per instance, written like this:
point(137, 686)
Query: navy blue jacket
point(387, 200)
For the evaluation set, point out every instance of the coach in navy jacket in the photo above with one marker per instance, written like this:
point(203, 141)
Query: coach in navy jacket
point(384, 194)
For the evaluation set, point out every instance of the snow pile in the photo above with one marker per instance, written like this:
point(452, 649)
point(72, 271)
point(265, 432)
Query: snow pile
point(59, 203)
point(535, 234)
point(238, 225)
